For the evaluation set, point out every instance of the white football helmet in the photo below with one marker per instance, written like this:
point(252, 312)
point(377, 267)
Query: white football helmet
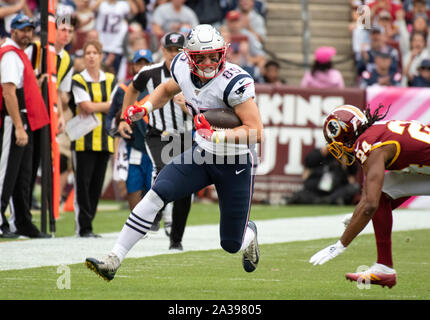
point(205, 40)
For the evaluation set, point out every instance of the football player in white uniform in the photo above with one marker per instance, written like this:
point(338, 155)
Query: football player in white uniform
point(225, 158)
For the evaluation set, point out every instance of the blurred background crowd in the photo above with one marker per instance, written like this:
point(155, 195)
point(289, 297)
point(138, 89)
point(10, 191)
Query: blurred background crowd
point(125, 26)
point(392, 50)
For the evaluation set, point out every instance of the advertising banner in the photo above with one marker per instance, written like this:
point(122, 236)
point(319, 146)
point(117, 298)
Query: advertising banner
point(405, 104)
point(293, 119)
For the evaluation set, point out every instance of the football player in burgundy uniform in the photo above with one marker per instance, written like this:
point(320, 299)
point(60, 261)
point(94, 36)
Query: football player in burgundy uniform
point(224, 158)
point(402, 148)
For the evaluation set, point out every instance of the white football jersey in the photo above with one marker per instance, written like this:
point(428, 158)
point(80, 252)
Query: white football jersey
point(112, 25)
point(230, 88)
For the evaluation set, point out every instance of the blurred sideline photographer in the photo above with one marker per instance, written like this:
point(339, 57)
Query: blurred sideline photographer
point(326, 181)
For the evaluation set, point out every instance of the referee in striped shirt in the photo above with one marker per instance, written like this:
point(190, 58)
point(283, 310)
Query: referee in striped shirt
point(165, 126)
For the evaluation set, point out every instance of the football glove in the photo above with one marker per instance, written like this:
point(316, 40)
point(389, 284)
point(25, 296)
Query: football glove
point(327, 254)
point(204, 129)
point(134, 113)
point(347, 219)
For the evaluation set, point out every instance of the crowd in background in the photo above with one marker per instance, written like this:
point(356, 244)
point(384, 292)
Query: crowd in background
point(394, 49)
point(124, 26)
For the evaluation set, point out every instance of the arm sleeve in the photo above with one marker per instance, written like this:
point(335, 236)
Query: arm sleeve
point(140, 80)
point(79, 94)
point(12, 68)
point(240, 89)
point(66, 84)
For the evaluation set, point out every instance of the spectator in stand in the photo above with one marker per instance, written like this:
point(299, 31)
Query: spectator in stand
point(8, 10)
point(170, 17)
point(214, 16)
point(366, 60)
point(141, 15)
point(271, 73)
point(415, 7)
point(322, 73)
point(423, 77)
point(359, 33)
point(390, 30)
point(63, 7)
point(420, 24)
point(259, 5)
point(86, 22)
point(112, 25)
point(238, 34)
point(252, 20)
point(382, 74)
point(239, 54)
point(412, 57)
point(384, 5)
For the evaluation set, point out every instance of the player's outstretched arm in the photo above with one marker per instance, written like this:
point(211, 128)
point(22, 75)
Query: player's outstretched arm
point(157, 99)
point(163, 93)
point(374, 170)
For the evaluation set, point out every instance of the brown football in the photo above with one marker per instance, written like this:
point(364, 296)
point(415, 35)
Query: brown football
point(222, 119)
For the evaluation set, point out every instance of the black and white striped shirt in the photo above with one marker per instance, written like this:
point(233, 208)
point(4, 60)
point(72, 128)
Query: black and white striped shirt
point(170, 118)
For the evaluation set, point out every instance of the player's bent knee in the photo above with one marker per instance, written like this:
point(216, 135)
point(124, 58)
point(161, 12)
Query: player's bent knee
point(164, 188)
point(230, 246)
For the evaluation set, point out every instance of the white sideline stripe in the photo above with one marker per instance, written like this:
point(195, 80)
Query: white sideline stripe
point(69, 250)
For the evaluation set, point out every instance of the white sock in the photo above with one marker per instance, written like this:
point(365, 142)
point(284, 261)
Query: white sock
point(167, 213)
point(138, 224)
point(249, 236)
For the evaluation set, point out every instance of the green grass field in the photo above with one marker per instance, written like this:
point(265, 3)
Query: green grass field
point(283, 272)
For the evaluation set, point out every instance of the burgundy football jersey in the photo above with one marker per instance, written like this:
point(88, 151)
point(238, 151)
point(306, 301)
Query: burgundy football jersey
point(411, 138)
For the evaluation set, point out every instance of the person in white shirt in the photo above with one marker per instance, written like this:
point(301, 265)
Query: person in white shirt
point(171, 16)
point(16, 134)
point(112, 25)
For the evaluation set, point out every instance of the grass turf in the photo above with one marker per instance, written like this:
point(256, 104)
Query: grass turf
point(283, 272)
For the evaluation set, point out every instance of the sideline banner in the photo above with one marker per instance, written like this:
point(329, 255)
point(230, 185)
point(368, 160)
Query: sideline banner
point(293, 119)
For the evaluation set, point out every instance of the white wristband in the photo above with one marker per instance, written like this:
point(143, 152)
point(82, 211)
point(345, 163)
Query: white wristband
point(148, 106)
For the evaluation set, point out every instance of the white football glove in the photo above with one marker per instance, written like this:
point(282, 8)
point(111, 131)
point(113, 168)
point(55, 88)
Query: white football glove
point(347, 219)
point(327, 254)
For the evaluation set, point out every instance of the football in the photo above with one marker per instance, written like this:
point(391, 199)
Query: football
point(222, 119)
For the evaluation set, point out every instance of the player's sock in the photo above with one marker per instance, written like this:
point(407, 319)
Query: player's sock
point(249, 236)
point(382, 224)
point(167, 213)
point(138, 223)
